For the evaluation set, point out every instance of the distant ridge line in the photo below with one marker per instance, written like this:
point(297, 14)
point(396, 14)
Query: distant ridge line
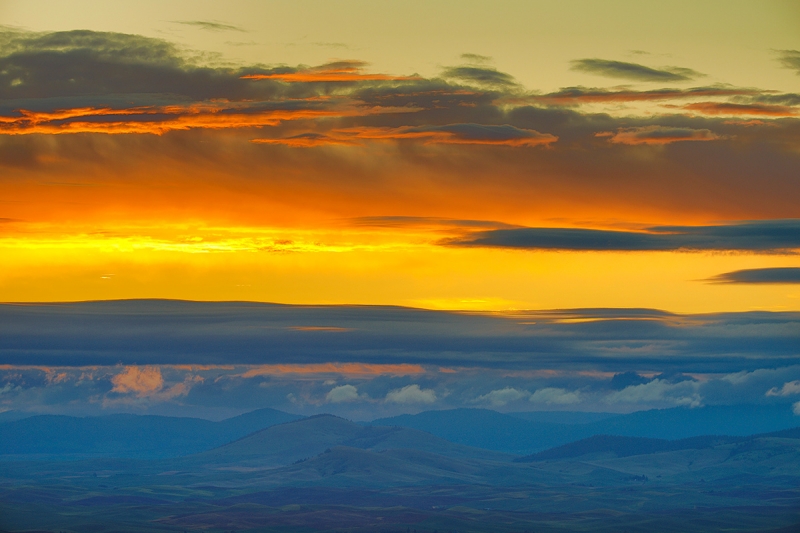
point(627, 446)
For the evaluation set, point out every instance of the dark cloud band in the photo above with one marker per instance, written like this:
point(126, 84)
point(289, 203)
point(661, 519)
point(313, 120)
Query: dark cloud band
point(177, 332)
point(633, 71)
point(767, 236)
point(760, 276)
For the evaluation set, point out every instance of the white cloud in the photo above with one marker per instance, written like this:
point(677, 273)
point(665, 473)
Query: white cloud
point(790, 387)
point(411, 394)
point(553, 395)
point(796, 408)
point(500, 397)
point(738, 378)
point(659, 391)
point(342, 394)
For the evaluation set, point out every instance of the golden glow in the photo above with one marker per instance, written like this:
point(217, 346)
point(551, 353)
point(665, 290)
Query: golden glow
point(358, 265)
point(208, 199)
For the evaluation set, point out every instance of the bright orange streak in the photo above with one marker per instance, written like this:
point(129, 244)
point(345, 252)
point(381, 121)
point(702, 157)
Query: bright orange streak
point(347, 137)
point(350, 369)
point(445, 137)
point(715, 108)
point(307, 141)
point(175, 118)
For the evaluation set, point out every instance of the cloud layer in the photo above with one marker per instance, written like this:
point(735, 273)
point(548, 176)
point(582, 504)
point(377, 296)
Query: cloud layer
point(383, 341)
point(776, 235)
point(457, 143)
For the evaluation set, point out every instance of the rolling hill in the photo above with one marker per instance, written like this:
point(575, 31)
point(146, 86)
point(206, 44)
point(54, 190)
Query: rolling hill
point(126, 435)
point(299, 440)
point(514, 434)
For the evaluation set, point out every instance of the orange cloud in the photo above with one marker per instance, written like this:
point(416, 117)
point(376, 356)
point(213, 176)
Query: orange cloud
point(158, 120)
point(307, 140)
point(717, 108)
point(657, 135)
point(349, 369)
point(457, 134)
point(139, 380)
point(496, 135)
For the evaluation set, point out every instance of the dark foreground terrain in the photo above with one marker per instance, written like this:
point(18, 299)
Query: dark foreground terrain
point(328, 474)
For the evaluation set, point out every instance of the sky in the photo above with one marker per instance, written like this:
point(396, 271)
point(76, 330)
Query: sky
point(469, 157)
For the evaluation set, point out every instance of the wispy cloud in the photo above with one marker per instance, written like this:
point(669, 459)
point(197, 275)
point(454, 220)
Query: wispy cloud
point(476, 58)
point(481, 75)
point(497, 135)
point(588, 95)
point(634, 71)
point(210, 25)
point(340, 71)
point(657, 135)
point(777, 275)
point(790, 59)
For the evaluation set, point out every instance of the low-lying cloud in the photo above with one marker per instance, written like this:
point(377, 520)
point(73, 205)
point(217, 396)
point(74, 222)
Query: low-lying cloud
point(555, 396)
point(411, 394)
point(342, 394)
point(501, 397)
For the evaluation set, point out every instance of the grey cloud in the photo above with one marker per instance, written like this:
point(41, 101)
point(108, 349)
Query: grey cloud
point(760, 275)
point(633, 71)
point(210, 25)
point(482, 75)
point(790, 59)
point(790, 99)
point(765, 236)
point(476, 58)
point(97, 65)
point(627, 379)
point(579, 95)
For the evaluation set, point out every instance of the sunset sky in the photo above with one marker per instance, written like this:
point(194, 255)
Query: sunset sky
point(465, 156)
